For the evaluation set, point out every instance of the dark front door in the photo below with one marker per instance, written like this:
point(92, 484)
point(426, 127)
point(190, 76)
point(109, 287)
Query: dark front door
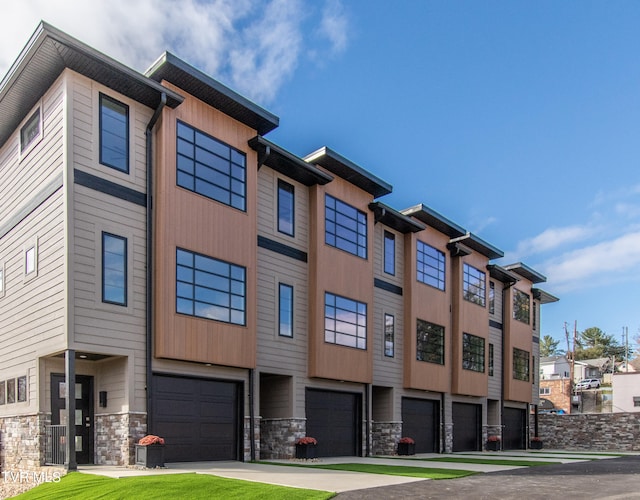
point(513, 437)
point(83, 417)
point(466, 426)
point(421, 423)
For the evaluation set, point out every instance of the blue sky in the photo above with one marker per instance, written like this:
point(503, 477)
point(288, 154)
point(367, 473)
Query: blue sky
point(517, 120)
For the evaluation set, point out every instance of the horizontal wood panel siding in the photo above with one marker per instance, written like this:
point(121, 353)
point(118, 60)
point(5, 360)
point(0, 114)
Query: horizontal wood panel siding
point(388, 371)
point(188, 220)
point(341, 273)
point(429, 304)
point(495, 382)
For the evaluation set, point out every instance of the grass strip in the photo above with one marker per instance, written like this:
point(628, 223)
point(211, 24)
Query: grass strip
point(189, 486)
point(490, 461)
point(390, 470)
point(595, 454)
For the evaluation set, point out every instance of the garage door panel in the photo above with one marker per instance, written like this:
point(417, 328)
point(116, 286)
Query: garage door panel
point(420, 421)
point(333, 418)
point(514, 431)
point(467, 421)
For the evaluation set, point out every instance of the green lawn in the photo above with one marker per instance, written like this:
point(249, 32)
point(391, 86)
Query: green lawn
point(81, 486)
point(390, 470)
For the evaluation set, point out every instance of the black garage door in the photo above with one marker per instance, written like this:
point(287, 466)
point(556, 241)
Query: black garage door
point(333, 418)
point(466, 426)
point(420, 421)
point(198, 418)
point(514, 429)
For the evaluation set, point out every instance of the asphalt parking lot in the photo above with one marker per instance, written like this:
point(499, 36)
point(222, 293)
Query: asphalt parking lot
point(610, 479)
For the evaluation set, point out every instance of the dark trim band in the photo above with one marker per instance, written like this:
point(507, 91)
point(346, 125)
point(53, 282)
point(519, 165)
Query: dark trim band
point(282, 249)
point(107, 187)
point(495, 324)
point(385, 285)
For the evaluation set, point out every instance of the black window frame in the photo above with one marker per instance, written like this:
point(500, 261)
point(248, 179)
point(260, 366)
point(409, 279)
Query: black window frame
point(225, 279)
point(125, 271)
point(491, 362)
point(389, 340)
point(474, 285)
point(521, 306)
point(389, 253)
point(281, 312)
point(431, 266)
point(206, 179)
point(338, 234)
point(102, 146)
point(521, 367)
point(473, 352)
point(26, 138)
point(431, 347)
point(284, 188)
point(359, 311)
point(492, 297)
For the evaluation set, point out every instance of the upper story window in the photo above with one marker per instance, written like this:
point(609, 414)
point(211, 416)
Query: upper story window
point(114, 269)
point(210, 167)
point(491, 360)
point(472, 352)
point(31, 130)
point(520, 364)
point(285, 310)
point(285, 207)
point(114, 134)
point(474, 285)
point(345, 321)
point(389, 253)
point(521, 306)
point(430, 342)
point(535, 315)
point(492, 297)
point(210, 288)
point(389, 334)
point(431, 266)
point(345, 227)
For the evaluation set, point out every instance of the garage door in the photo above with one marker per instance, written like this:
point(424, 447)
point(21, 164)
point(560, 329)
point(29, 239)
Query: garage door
point(466, 426)
point(199, 418)
point(513, 434)
point(420, 421)
point(333, 418)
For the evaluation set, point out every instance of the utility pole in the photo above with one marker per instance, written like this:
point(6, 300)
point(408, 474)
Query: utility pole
point(625, 329)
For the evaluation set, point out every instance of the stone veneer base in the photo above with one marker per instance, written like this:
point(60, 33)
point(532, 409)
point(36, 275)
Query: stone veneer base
point(278, 436)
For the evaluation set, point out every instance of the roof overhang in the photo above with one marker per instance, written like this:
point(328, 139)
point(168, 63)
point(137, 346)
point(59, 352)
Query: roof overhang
point(435, 220)
point(501, 274)
point(544, 297)
point(346, 169)
point(477, 244)
point(287, 163)
point(176, 71)
point(46, 55)
point(394, 219)
point(526, 272)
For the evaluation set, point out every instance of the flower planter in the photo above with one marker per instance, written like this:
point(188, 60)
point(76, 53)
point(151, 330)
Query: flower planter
point(493, 445)
point(406, 449)
point(306, 451)
point(150, 455)
point(535, 445)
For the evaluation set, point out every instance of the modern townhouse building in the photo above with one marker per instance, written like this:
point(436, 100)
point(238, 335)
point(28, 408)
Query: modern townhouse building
point(197, 281)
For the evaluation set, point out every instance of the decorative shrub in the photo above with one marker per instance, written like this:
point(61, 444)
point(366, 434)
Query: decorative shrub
point(306, 440)
point(151, 439)
point(406, 440)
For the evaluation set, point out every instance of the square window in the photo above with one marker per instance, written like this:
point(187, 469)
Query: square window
point(345, 321)
point(430, 342)
point(345, 227)
point(430, 266)
point(114, 134)
point(30, 131)
point(474, 285)
point(472, 353)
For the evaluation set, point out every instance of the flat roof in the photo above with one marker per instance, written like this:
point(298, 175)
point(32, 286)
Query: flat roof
point(526, 272)
point(46, 55)
point(394, 219)
point(544, 297)
point(501, 274)
point(173, 69)
point(435, 220)
point(287, 163)
point(346, 169)
point(479, 245)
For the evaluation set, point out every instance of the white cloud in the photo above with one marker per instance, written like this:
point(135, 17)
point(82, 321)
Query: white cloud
point(253, 46)
point(553, 238)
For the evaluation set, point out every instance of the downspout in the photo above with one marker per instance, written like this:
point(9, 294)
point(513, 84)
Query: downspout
point(367, 446)
point(252, 417)
point(149, 295)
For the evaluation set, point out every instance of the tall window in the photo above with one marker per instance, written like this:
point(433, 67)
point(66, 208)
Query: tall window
point(492, 297)
point(114, 269)
point(520, 364)
point(114, 134)
point(285, 208)
point(389, 253)
point(491, 360)
point(474, 285)
point(211, 168)
point(345, 227)
point(472, 352)
point(520, 306)
point(210, 288)
point(30, 131)
point(389, 335)
point(535, 315)
point(3, 392)
point(285, 310)
point(430, 266)
point(345, 321)
point(430, 342)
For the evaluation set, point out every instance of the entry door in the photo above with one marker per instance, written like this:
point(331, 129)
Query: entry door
point(84, 412)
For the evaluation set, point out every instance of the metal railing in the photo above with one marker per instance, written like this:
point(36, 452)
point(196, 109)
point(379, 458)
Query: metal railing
point(55, 444)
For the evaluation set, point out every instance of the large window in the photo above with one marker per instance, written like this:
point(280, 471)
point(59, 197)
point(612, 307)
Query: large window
point(30, 131)
point(211, 168)
point(114, 134)
point(345, 227)
point(285, 310)
point(345, 321)
point(492, 297)
point(430, 342)
point(389, 253)
point(472, 352)
point(389, 335)
point(520, 306)
point(520, 364)
point(114, 269)
point(431, 266)
point(474, 285)
point(285, 208)
point(210, 288)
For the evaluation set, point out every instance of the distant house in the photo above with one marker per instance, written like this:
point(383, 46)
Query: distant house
point(555, 382)
point(591, 368)
point(554, 367)
point(626, 392)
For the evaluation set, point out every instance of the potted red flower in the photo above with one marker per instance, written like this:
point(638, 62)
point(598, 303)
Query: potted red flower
point(306, 447)
point(493, 443)
point(406, 446)
point(535, 443)
point(150, 451)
